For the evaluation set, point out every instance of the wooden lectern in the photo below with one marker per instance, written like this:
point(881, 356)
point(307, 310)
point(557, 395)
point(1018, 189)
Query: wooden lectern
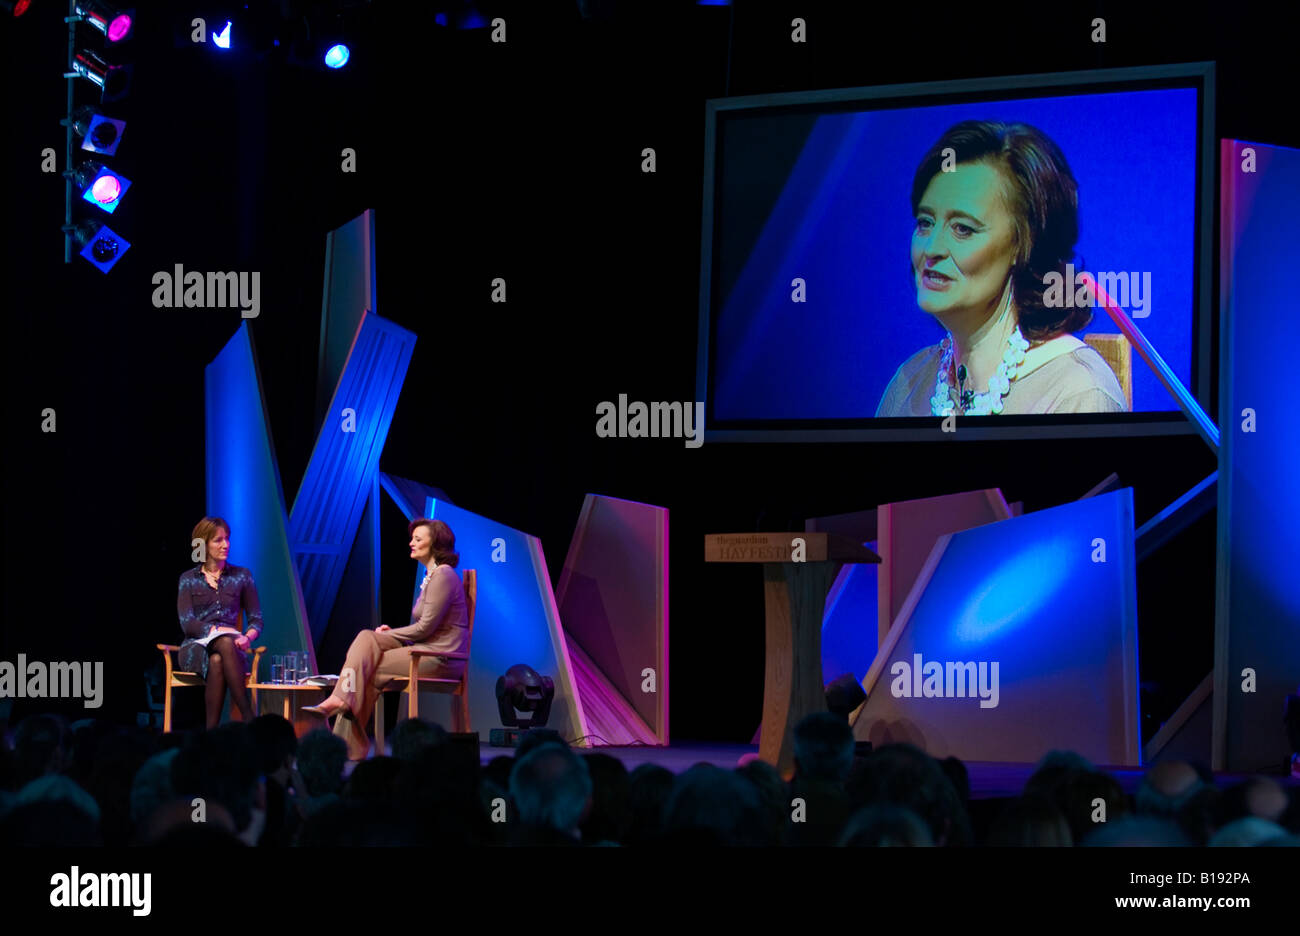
point(798, 570)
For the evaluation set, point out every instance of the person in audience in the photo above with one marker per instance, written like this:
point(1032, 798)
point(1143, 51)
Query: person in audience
point(885, 826)
point(773, 793)
point(321, 759)
point(211, 600)
point(818, 803)
point(50, 823)
point(1129, 831)
point(413, 736)
point(152, 787)
point(1166, 788)
point(906, 776)
point(439, 623)
point(609, 816)
point(1245, 832)
point(712, 806)
point(1262, 797)
point(221, 766)
point(650, 787)
point(1031, 821)
point(42, 745)
point(1075, 791)
point(276, 746)
point(550, 788)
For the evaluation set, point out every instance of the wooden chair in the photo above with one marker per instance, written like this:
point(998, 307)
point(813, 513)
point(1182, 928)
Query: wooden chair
point(174, 677)
point(1118, 355)
point(411, 684)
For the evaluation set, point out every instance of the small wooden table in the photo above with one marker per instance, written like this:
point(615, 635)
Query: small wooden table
point(798, 571)
point(292, 702)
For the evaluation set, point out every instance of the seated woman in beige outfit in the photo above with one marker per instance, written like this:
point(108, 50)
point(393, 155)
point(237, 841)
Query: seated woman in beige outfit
point(439, 622)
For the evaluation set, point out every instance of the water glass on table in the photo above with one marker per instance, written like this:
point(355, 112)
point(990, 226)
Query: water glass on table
point(277, 669)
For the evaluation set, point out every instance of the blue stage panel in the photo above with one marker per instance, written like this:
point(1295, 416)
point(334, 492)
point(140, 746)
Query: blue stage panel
point(849, 639)
point(243, 484)
point(1048, 632)
point(344, 462)
point(1257, 634)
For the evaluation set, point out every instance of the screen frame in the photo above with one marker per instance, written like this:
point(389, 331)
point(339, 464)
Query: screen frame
point(1197, 75)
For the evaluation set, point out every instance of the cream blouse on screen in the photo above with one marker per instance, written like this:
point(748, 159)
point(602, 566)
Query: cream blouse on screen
point(1062, 375)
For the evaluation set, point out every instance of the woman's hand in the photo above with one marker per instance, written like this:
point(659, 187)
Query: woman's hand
point(243, 643)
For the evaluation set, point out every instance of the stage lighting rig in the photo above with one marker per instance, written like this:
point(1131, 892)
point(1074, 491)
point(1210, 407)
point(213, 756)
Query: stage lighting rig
point(15, 8)
point(94, 182)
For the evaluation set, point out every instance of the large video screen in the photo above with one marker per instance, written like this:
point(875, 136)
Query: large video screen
point(883, 258)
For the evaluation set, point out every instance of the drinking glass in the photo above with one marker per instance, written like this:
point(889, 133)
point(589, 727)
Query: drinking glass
point(304, 664)
point(277, 669)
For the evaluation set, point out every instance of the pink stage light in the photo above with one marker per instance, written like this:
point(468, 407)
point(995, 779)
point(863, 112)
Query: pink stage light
point(106, 189)
point(119, 27)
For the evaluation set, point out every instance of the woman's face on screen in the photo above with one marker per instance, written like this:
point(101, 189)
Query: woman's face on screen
point(963, 245)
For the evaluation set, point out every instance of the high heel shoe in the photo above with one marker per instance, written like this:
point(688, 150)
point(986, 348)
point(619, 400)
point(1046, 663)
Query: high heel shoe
point(323, 712)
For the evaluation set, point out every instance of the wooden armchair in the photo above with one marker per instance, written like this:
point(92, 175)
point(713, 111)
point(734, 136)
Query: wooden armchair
point(411, 684)
point(174, 677)
point(1118, 355)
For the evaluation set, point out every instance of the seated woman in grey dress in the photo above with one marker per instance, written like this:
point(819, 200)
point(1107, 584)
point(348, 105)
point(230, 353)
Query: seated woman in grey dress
point(439, 622)
point(988, 233)
point(211, 599)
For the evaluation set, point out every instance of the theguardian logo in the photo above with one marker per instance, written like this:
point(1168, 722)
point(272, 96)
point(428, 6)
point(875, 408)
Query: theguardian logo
point(75, 889)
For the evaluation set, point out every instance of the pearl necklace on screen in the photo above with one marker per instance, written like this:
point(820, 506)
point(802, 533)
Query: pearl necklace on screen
point(978, 404)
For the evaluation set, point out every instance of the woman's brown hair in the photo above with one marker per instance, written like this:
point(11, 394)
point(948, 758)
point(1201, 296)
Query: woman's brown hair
point(1043, 199)
point(207, 528)
point(444, 541)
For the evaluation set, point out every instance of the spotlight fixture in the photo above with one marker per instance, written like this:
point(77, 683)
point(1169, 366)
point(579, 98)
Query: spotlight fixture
point(101, 246)
point(100, 134)
point(337, 55)
point(521, 689)
point(113, 80)
point(15, 9)
point(115, 24)
point(102, 187)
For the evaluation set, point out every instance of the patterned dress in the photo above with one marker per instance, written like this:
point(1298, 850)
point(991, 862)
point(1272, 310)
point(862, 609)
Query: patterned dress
point(202, 607)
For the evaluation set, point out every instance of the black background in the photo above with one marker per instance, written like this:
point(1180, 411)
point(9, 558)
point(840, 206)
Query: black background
point(519, 160)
